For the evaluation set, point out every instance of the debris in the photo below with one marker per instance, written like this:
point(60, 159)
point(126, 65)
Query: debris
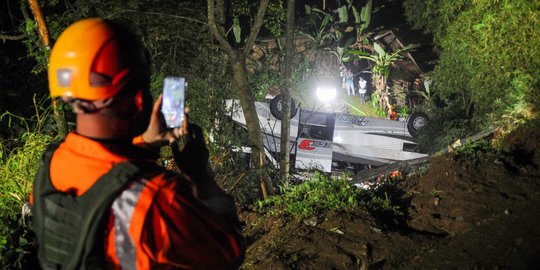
point(459, 142)
point(436, 201)
point(311, 221)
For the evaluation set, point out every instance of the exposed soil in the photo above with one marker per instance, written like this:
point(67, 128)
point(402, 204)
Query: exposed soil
point(466, 211)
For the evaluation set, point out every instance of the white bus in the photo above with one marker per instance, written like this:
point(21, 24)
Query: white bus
point(330, 141)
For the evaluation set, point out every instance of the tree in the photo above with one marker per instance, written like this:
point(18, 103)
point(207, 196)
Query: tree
point(237, 59)
point(44, 37)
point(286, 93)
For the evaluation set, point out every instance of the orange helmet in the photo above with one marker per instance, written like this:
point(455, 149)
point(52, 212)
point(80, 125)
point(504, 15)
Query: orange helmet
point(93, 59)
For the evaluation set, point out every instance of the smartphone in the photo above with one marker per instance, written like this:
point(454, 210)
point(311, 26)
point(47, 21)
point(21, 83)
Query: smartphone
point(173, 101)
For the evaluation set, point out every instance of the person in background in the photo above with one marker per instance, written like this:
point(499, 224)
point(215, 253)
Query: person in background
point(100, 201)
point(362, 84)
point(392, 114)
point(349, 82)
point(342, 70)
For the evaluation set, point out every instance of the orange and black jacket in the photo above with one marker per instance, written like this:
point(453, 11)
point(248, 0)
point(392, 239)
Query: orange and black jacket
point(156, 222)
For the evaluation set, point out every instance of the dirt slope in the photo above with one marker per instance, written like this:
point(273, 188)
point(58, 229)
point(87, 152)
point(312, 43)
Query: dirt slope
point(474, 210)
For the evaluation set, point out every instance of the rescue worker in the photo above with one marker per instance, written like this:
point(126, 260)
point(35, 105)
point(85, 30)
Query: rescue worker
point(99, 200)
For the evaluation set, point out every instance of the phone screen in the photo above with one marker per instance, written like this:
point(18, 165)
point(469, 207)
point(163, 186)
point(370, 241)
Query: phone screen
point(173, 101)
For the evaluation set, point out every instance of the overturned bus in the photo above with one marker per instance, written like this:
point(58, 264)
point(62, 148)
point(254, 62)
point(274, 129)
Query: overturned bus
point(330, 141)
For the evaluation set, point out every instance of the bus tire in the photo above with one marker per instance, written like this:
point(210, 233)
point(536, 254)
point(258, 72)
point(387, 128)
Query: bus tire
point(275, 107)
point(416, 122)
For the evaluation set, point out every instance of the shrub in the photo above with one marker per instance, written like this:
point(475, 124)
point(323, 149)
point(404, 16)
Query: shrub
point(322, 193)
point(489, 60)
point(312, 197)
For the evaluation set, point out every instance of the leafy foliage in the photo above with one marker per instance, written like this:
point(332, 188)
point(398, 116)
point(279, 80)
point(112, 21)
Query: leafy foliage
point(274, 19)
point(381, 58)
point(489, 65)
point(474, 151)
point(339, 28)
point(35, 47)
point(263, 81)
point(381, 70)
point(18, 249)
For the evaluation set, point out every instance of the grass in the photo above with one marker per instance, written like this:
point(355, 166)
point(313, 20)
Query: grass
point(19, 160)
point(342, 102)
point(322, 193)
point(312, 197)
point(17, 171)
point(357, 107)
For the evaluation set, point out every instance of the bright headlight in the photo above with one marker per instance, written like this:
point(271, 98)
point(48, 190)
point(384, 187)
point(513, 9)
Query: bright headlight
point(326, 93)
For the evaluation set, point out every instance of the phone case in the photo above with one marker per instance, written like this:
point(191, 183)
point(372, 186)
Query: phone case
point(173, 101)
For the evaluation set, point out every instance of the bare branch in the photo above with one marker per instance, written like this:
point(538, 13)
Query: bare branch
point(259, 19)
point(10, 37)
point(225, 45)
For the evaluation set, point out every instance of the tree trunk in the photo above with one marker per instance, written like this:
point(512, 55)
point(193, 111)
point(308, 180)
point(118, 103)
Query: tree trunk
point(286, 94)
point(382, 94)
point(237, 59)
point(59, 116)
point(238, 62)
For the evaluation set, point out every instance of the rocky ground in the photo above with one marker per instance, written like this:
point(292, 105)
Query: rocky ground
point(469, 210)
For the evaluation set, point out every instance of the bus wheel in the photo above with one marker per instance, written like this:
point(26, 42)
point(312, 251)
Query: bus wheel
point(416, 122)
point(276, 107)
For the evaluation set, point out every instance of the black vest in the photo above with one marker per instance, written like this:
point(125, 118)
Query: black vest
point(71, 229)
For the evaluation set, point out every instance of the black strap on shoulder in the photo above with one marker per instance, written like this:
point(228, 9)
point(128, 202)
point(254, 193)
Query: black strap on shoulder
point(71, 229)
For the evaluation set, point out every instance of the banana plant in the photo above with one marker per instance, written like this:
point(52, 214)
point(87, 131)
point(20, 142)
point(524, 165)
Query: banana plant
point(381, 70)
point(323, 33)
point(428, 93)
point(362, 20)
point(332, 29)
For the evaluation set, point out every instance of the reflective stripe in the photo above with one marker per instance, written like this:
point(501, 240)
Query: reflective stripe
point(122, 209)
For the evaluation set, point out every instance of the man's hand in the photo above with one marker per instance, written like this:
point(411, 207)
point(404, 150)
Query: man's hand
point(193, 158)
point(157, 133)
